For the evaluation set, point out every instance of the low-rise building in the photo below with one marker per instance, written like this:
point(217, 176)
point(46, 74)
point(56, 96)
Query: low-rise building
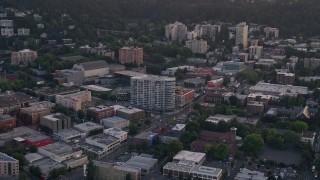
point(216, 81)
point(46, 166)
point(195, 157)
point(285, 78)
point(74, 101)
point(118, 133)
point(247, 174)
point(33, 114)
point(115, 122)
point(146, 137)
point(7, 32)
point(256, 107)
point(146, 164)
point(194, 82)
point(132, 114)
point(9, 167)
point(214, 96)
point(23, 31)
point(49, 94)
point(88, 127)
point(100, 112)
point(278, 89)
point(187, 169)
point(14, 101)
point(265, 63)
point(173, 134)
point(232, 67)
point(171, 71)
point(200, 72)
point(131, 55)
point(7, 122)
point(184, 96)
point(69, 135)
point(25, 57)
point(105, 170)
point(63, 153)
point(308, 137)
point(6, 23)
point(56, 122)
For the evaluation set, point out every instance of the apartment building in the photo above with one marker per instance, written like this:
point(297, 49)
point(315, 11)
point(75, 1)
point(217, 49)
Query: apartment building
point(153, 93)
point(9, 167)
point(75, 100)
point(134, 115)
point(285, 78)
point(56, 122)
point(271, 32)
point(131, 55)
point(7, 122)
point(197, 46)
point(176, 31)
point(242, 34)
point(25, 57)
point(184, 96)
point(255, 52)
point(210, 30)
point(100, 112)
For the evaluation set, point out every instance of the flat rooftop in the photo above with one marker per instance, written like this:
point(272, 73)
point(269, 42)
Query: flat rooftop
point(88, 126)
point(141, 162)
point(279, 89)
point(102, 139)
point(31, 157)
point(100, 108)
point(189, 156)
point(5, 157)
point(154, 77)
point(205, 170)
point(15, 99)
point(178, 127)
point(5, 117)
point(145, 135)
point(67, 133)
point(55, 117)
point(96, 88)
point(46, 165)
point(114, 119)
point(128, 110)
point(58, 148)
point(129, 73)
point(58, 91)
point(23, 132)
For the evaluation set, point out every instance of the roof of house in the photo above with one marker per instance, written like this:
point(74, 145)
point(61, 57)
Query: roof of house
point(94, 65)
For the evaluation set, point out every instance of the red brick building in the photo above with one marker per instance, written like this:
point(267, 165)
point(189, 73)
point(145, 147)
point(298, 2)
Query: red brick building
point(37, 139)
point(214, 138)
point(285, 78)
point(100, 112)
point(214, 96)
point(7, 121)
point(200, 72)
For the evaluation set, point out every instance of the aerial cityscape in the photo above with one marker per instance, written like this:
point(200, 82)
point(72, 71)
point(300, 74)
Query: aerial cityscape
point(159, 90)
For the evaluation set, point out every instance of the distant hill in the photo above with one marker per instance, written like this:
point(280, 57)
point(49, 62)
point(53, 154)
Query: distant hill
point(291, 16)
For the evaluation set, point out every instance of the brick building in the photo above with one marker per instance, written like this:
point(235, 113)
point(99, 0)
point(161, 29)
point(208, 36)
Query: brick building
point(285, 78)
point(100, 112)
point(7, 122)
point(131, 55)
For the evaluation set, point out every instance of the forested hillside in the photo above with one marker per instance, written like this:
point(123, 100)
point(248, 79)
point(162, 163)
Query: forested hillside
point(292, 17)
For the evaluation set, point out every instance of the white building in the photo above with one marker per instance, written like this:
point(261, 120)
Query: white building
point(308, 137)
point(75, 100)
point(115, 122)
point(116, 132)
point(153, 93)
point(197, 46)
point(93, 69)
point(242, 34)
point(171, 71)
point(196, 157)
point(176, 31)
point(6, 23)
point(7, 32)
point(278, 89)
point(23, 32)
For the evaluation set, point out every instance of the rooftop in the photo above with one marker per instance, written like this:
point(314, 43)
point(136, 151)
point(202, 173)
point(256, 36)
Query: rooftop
point(55, 117)
point(94, 65)
point(278, 89)
point(31, 157)
point(67, 133)
point(190, 156)
point(128, 110)
point(23, 132)
point(5, 117)
point(15, 99)
point(114, 132)
point(101, 139)
point(100, 108)
point(88, 126)
point(247, 174)
point(145, 135)
point(141, 162)
point(308, 134)
point(96, 88)
point(46, 165)
point(5, 157)
point(58, 90)
point(129, 73)
point(58, 148)
point(154, 77)
point(114, 119)
point(178, 127)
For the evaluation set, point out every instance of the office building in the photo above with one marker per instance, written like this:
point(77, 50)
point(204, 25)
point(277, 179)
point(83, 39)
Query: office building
point(23, 32)
point(104, 170)
point(131, 55)
point(242, 34)
point(56, 122)
point(184, 96)
point(7, 122)
point(176, 31)
point(115, 122)
point(75, 100)
point(100, 112)
point(285, 78)
point(153, 93)
point(69, 135)
point(197, 157)
point(134, 115)
point(88, 127)
point(197, 46)
point(9, 167)
point(187, 169)
point(24, 57)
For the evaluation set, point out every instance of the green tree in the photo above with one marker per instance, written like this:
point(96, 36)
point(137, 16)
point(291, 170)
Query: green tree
point(174, 147)
point(221, 151)
point(226, 80)
point(80, 114)
point(291, 137)
point(233, 100)
point(299, 126)
point(33, 148)
point(128, 176)
point(253, 143)
point(35, 170)
point(23, 176)
point(317, 163)
point(90, 171)
point(133, 129)
point(193, 126)
point(57, 172)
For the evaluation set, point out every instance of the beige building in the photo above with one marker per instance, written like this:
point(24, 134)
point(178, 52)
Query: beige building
point(8, 166)
point(32, 115)
point(131, 55)
point(176, 31)
point(25, 56)
point(75, 100)
point(197, 46)
point(242, 34)
point(56, 122)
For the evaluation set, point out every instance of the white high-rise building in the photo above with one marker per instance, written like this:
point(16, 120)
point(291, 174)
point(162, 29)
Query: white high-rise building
point(176, 31)
point(242, 34)
point(153, 93)
point(197, 46)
